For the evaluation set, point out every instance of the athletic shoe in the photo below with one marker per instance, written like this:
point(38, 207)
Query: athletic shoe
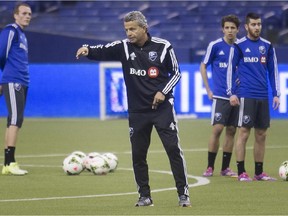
point(144, 201)
point(244, 177)
point(184, 201)
point(228, 172)
point(13, 169)
point(263, 177)
point(208, 172)
point(4, 170)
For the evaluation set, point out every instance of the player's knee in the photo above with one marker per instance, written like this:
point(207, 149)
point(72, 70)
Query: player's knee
point(17, 123)
point(172, 149)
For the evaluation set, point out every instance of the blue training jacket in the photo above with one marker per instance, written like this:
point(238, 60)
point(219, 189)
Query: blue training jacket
point(217, 55)
point(256, 66)
point(14, 55)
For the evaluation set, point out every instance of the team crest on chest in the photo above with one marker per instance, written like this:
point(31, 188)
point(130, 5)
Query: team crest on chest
point(262, 50)
point(153, 55)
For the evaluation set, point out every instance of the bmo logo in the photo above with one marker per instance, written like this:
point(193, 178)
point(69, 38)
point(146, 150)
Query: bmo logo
point(133, 71)
point(223, 65)
point(153, 72)
point(251, 59)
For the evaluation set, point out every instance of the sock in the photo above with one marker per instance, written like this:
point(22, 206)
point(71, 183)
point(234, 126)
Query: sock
point(241, 167)
point(258, 168)
point(10, 155)
point(5, 156)
point(226, 160)
point(211, 159)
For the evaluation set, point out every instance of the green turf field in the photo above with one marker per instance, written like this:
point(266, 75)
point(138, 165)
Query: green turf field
point(46, 190)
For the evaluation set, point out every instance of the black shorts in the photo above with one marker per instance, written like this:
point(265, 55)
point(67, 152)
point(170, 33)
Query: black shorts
point(15, 97)
point(223, 113)
point(254, 113)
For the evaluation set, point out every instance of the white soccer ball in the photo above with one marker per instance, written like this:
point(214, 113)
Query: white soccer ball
point(88, 158)
point(112, 160)
point(93, 154)
point(79, 154)
point(98, 165)
point(283, 171)
point(73, 165)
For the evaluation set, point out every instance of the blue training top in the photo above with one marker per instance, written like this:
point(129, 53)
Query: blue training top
point(255, 63)
point(14, 55)
point(217, 55)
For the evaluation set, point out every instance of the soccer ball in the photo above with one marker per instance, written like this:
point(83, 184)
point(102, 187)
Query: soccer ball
point(79, 154)
point(88, 158)
point(98, 165)
point(73, 165)
point(283, 171)
point(112, 161)
point(93, 154)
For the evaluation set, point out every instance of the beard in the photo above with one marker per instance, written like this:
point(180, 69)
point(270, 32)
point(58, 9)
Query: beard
point(254, 34)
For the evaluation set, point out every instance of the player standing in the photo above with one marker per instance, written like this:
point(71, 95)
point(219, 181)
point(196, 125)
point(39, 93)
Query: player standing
point(15, 81)
point(151, 71)
point(256, 63)
point(223, 114)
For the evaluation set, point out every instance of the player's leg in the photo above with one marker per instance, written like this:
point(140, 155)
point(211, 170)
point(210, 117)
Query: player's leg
point(217, 119)
point(262, 124)
point(259, 148)
point(231, 124)
point(166, 125)
point(227, 152)
point(140, 131)
point(15, 97)
point(213, 147)
point(246, 122)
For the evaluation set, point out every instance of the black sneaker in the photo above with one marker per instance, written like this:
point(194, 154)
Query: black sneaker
point(144, 201)
point(184, 201)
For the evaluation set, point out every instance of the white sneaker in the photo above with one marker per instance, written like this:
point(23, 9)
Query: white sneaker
point(13, 169)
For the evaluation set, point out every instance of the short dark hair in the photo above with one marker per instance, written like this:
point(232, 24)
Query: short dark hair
point(230, 18)
point(16, 8)
point(251, 15)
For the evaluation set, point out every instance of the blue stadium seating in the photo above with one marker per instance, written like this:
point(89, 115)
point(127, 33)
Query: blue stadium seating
point(187, 24)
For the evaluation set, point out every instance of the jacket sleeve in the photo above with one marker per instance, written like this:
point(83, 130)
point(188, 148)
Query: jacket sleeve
point(272, 67)
point(234, 57)
point(6, 38)
point(174, 71)
point(109, 52)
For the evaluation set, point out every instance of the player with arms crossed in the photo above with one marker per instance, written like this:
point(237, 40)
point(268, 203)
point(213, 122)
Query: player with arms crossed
point(223, 114)
point(15, 81)
point(151, 71)
point(256, 63)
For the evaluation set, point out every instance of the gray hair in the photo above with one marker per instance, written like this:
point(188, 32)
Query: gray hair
point(136, 16)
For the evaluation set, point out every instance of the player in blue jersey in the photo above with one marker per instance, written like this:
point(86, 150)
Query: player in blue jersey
point(255, 60)
point(223, 114)
point(14, 81)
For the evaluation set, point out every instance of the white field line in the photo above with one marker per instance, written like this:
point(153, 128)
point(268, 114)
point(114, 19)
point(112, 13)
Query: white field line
point(200, 182)
point(150, 151)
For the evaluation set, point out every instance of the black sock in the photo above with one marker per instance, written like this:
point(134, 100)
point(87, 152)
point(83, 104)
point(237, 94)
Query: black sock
point(5, 156)
point(226, 160)
point(10, 155)
point(258, 168)
point(241, 167)
point(211, 159)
